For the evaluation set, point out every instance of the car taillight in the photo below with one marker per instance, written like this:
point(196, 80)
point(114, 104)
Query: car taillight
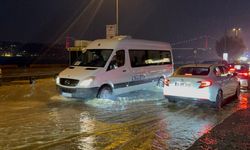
point(245, 74)
point(204, 83)
point(166, 81)
point(232, 69)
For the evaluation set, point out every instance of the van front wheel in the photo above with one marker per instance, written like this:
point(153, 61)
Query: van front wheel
point(105, 92)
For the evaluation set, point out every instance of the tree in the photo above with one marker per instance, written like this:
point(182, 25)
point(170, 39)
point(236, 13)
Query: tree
point(233, 45)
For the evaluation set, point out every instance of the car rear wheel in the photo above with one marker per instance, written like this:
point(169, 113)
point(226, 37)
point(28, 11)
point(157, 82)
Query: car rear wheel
point(171, 99)
point(219, 100)
point(105, 92)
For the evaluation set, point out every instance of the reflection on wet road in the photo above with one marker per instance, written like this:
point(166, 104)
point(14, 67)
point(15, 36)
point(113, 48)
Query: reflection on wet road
point(35, 116)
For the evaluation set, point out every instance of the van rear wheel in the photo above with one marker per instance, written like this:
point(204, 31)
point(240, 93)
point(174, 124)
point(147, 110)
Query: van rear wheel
point(105, 92)
point(160, 82)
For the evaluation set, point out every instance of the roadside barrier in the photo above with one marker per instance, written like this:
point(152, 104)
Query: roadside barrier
point(35, 71)
point(8, 66)
point(47, 65)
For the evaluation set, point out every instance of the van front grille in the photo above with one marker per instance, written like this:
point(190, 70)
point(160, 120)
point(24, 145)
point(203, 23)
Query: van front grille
point(68, 82)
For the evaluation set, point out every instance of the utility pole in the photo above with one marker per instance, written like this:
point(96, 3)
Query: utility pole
point(195, 55)
point(117, 17)
point(206, 41)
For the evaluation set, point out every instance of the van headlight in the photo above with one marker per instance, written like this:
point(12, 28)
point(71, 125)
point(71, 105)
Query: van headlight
point(87, 82)
point(57, 80)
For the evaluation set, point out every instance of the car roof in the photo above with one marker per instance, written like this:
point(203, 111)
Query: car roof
point(239, 64)
point(202, 65)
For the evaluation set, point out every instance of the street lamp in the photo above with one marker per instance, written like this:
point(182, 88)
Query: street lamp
point(117, 17)
point(236, 31)
point(195, 56)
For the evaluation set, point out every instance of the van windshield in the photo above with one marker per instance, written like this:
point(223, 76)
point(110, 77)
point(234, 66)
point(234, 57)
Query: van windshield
point(93, 58)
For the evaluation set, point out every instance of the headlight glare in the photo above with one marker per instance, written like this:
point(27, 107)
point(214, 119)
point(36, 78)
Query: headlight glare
point(57, 80)
point(87, 82)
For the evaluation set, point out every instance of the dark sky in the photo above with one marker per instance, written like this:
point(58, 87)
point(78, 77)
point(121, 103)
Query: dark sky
point(164, 20)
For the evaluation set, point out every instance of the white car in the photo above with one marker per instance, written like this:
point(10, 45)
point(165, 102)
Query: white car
point(201, 82)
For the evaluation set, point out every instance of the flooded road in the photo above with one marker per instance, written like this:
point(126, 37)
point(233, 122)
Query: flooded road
point(35, 116)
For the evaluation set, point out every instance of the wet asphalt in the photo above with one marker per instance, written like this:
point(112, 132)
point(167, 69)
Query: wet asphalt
point(35, 116)
point(232, 133)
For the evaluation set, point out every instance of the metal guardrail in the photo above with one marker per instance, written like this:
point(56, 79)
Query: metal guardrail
point(30, 74)
point(30, 77)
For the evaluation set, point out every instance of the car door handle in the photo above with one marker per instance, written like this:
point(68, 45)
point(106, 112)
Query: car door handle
point(124, 70)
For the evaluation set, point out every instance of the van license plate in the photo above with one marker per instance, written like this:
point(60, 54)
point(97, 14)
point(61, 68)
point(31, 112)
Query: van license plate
point(66, 94)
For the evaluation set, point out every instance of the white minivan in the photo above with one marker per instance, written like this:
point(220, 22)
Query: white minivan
point(109, 67)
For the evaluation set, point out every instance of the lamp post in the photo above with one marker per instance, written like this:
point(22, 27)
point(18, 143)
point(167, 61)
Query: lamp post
point(236, 31)
point(195, 55)
point(117, 17)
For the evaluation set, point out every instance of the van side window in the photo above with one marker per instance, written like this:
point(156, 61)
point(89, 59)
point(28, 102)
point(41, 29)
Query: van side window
point(139, 58)
point(118, 60)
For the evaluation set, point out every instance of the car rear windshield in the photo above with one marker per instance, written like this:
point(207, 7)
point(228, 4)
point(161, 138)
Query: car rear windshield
point(198, 71)
point(241, 67)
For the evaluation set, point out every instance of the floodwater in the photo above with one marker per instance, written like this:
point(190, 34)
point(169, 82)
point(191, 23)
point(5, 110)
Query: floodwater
point(35, 116)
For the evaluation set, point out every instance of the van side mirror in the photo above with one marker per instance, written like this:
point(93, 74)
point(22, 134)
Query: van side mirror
point(112, 65)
